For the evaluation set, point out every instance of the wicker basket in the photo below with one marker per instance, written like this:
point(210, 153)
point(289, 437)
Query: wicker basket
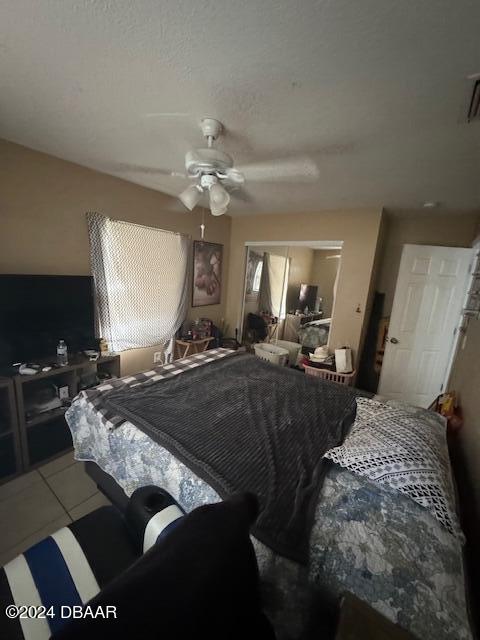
point(331, 376)
point(293, 349)
point(272, 353)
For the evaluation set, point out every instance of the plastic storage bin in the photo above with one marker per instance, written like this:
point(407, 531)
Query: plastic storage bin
point(271, 352)
point(331, 376)
point(293, 349)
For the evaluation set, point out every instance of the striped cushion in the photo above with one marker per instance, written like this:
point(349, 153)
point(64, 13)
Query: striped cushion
point(67, 568)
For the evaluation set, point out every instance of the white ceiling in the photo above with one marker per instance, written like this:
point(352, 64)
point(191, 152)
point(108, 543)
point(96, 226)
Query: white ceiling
point(372, 92)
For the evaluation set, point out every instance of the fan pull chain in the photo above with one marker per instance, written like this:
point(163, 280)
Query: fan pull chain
point(202, 226)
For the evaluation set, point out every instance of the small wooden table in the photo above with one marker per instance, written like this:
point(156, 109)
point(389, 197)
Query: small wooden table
point(184, 348)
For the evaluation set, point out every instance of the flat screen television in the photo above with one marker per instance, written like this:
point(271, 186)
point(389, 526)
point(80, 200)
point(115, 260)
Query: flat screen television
point(307, 296)
point(37, 311)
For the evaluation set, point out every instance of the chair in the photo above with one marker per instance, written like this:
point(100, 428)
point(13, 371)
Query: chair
point(155, 573)
point(70, 567)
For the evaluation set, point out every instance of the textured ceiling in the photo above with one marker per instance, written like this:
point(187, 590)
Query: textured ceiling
point(372, 92)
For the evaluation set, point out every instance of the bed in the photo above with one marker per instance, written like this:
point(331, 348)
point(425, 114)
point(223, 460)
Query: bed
point(366, 538)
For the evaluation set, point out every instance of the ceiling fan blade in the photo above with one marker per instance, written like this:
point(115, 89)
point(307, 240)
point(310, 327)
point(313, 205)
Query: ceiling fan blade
point(167, 114)
point(135, 168)
point(241, 195)
point(234, 177)
point(297, 169)
point(171, 183)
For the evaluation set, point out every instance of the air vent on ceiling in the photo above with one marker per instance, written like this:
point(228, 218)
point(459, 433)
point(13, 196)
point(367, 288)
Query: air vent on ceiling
point(474, 105)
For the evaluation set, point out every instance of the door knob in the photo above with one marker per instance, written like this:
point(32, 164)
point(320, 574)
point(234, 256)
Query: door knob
point(393, 340)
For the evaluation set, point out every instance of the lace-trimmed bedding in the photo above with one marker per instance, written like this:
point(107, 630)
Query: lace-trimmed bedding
point(392, 445)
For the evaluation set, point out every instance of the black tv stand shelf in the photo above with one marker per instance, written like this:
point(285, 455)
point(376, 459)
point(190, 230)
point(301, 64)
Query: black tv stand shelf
point(45, 417)
point(28, 442)
point(10, 452)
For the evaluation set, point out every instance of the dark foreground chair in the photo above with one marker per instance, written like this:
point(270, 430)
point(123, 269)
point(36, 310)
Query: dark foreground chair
point(154, 573)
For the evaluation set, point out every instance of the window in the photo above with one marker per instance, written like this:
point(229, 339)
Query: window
point(140, 276)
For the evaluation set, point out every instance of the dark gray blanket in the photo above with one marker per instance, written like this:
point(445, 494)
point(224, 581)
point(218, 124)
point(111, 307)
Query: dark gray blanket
point(243, 424)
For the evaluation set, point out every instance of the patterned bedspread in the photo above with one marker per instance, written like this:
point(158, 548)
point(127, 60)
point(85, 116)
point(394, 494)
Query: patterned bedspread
point(367, 539)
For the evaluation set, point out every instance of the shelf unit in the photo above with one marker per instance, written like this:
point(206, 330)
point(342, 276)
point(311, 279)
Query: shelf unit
point(10, 452)
point(42, 437)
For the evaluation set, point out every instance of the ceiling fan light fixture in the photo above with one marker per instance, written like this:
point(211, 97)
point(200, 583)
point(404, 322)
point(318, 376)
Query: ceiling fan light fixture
point(218, 211)
point(219, 197)
point(191, 196)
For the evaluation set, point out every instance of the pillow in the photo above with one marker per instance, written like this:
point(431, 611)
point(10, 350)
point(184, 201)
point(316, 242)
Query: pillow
point(403, 449)
point(200, 581)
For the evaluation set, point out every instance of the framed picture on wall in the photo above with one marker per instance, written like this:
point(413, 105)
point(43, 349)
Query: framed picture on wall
point(207, 273)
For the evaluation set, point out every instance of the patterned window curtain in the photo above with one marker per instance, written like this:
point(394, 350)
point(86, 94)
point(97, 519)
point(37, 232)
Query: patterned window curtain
point(254, 260)
point(278, 276)
point(286, 277)
point(274, 284)
point(265, 294)
point(140, 275)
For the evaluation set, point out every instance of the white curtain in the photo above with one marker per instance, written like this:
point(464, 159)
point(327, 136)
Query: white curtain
point(278, 268)
point(335, 285)
point(140, 276)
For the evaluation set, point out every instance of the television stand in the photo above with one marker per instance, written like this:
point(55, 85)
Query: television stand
point(39, 437)
point(10, 451)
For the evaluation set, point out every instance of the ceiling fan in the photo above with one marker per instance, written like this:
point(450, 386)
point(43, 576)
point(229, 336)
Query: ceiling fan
point(212, 172)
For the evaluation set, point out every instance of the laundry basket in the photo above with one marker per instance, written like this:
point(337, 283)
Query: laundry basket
point(271, 352)
point(331, 376)
point(293, 349)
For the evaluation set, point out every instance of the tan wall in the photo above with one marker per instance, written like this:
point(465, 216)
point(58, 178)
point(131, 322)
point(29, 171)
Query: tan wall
point(359, 232)
point(43, 201)
point(456, 230)
point(323, 275)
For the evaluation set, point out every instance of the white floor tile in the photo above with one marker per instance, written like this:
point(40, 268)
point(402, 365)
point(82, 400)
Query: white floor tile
point(57, 465)
point(26, 512)
point(19, 484)
point(72, 486)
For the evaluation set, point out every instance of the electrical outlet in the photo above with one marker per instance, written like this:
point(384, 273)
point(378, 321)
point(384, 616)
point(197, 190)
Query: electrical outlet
point(157, 357)
point(63, 392)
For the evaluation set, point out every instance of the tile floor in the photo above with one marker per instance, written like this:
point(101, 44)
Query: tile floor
point(38, 503)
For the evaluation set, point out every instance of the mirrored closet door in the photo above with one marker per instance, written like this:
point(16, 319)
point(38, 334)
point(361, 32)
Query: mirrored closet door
point(290, 293)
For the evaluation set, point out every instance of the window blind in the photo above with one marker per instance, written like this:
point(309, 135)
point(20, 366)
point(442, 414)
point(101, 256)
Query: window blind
point(140, 275)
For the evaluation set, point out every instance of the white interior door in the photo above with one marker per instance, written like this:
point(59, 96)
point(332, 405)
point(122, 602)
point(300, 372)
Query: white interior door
point(429, 295)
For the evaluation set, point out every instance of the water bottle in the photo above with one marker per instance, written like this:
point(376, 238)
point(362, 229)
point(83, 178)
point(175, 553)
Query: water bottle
point(62, 353)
